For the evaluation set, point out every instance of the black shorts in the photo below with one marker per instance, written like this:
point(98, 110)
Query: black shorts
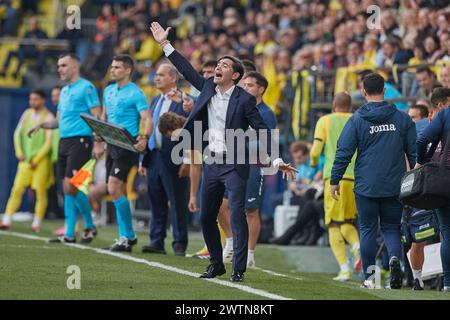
point(119, 162)
point(73, 153)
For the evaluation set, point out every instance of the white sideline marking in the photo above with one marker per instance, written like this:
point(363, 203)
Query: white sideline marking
point(248, 289)
point(273, 273)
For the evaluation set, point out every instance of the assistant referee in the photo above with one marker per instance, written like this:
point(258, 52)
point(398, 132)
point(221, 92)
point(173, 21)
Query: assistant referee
point(124, 104)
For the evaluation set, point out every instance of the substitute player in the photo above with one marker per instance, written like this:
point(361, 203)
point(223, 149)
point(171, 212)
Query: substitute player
point(75, 145)
point(35, 165)
point(339, 215)
point(124, 104)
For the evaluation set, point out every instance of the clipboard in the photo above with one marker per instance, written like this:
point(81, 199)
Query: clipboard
point(111, 133)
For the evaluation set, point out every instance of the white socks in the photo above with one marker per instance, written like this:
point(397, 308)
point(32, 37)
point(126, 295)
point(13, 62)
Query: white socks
point(355, 246)
point(229, 243)
point(344, 268)
point(6, 219)
point(251, 255)
point(36, 221)
point(417, 274)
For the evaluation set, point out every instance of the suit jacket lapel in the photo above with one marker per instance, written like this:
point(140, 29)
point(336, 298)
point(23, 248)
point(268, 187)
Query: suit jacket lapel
point(202, 103)
point(232, 105)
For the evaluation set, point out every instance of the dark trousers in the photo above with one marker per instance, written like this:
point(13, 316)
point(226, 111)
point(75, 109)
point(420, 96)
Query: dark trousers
point(164, 187)
point(387, 212)
point(444, 224)
point(215, 176)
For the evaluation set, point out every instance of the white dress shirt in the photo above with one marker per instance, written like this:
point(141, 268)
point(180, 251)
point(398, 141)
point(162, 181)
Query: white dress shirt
point(217, 111)
point(217, 114)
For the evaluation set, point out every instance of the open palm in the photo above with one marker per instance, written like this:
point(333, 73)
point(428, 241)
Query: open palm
point(158, 32)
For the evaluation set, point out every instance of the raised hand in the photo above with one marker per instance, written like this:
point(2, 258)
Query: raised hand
point(159, 33)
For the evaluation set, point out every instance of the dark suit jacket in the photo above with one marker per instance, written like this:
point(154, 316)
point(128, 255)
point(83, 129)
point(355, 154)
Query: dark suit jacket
point(241, 112)
point(166, 145)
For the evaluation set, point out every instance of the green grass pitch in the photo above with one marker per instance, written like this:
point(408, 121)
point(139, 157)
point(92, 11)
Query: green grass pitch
point(34, 269)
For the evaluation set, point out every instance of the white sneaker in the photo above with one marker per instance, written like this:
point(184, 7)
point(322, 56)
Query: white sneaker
point(369, 284)
point(228, 254)
point(251, 263)
point(343, 276)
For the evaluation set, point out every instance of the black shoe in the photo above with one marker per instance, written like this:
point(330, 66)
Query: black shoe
point(133, 242)
point(417, 286)
point(63, 240)
point(279, 241)
point(153, 249)
point(237, 277)
point(396, 273)
point(88, 235)
point(213, 271)
point(179, 250)
point(121, 245)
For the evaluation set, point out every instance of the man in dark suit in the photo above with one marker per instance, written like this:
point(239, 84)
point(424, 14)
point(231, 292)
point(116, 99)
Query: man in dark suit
point(167, 182)
point(221, 106)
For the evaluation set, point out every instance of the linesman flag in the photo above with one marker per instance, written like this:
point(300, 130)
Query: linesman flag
point(84, 177)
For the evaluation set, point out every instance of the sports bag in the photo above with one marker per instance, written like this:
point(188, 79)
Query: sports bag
point(427, 187)
point(420, 226)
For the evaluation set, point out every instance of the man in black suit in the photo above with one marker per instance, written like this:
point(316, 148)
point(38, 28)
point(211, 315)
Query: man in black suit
point(167, 182)
point(221, 106)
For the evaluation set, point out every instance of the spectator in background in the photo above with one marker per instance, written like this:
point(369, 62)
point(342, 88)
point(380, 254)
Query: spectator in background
point(149, 48)
point(392, 55)
point(389, 25)
point(418, 112)
point(445, 76)
point(302, 192)
point(432, 50)
point(106, 15)
point(8, 19)
point(103, 52)
point(427, 82)
point(31, 50)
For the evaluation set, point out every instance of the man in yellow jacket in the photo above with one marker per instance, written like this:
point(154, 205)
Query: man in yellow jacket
point(339, 215)
point(35, 165)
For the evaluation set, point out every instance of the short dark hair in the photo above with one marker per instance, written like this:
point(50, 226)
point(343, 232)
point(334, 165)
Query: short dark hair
point(373, 83)
point(299, 146)
point(236, 66)
point(422, 109)
point(424, 69)
point(127, 61)
point(248, 65)
point(209, 63)
point(169, 122)
point(363, 73)
point(440, 95)
point(71, 55)
point(40, 93)
point(260, 79)
point(58, 87)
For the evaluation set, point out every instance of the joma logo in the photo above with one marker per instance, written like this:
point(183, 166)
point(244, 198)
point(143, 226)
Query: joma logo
point(383, 127)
